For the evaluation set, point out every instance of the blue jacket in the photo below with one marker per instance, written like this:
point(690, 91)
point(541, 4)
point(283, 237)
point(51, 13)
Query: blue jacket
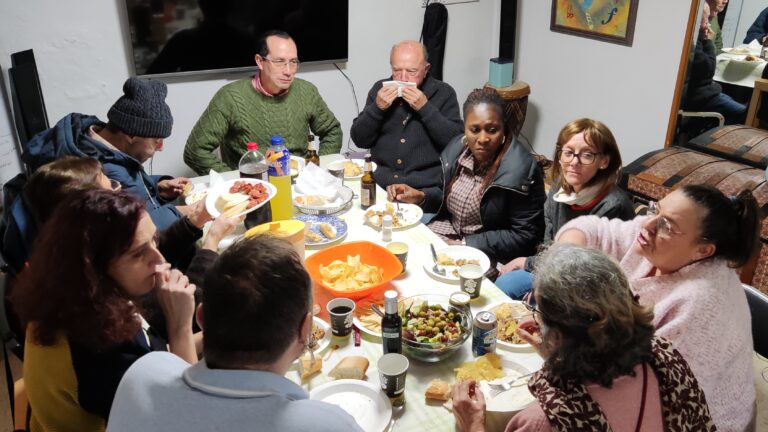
point(759, 28)
point(69, 137)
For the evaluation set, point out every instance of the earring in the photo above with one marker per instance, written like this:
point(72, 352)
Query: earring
point(463, 140)
point(504, 139)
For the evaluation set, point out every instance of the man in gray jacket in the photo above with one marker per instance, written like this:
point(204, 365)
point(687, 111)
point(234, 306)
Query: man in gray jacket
point(256, 319)
point(407, 126)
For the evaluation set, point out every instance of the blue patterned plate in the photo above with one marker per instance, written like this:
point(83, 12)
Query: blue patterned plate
point(314, 220)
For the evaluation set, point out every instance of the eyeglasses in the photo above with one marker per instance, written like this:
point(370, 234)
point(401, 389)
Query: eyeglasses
point(528, 303)
point(663, 225)
point(115, 185)
point(281, 63)
point(584, 158)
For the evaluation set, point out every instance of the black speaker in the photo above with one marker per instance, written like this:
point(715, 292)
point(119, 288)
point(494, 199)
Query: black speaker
point(507, 29)
point(27, 96)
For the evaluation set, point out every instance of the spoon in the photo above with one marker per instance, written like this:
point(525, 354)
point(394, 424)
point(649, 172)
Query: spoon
point(436, 268)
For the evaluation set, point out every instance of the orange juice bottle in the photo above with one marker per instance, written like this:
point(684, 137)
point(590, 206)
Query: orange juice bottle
point(279, 160)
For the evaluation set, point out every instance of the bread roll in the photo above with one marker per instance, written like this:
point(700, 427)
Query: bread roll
point(328, 230)
point(307, 367)
point(438, 390)
point(351, 367)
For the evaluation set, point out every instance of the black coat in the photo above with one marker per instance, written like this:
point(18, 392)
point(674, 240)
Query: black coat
point(511, 208)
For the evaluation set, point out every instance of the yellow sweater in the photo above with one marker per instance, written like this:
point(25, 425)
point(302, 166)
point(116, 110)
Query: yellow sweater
point(52, 387)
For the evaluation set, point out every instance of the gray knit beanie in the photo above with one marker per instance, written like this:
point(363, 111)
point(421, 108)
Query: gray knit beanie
point(141, 111)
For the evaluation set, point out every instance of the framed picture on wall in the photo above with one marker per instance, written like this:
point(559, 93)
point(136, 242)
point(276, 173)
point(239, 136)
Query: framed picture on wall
point(606, 20)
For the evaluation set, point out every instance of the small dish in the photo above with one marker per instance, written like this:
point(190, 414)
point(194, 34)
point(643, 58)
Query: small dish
point(312, 222)
point(338, 164)
point(456, 252)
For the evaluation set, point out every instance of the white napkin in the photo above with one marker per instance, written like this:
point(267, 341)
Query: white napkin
point(313, 180)
point(214, 178)
point(755, 47)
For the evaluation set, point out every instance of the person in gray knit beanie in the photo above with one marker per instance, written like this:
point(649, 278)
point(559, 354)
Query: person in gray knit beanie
point(142, 110)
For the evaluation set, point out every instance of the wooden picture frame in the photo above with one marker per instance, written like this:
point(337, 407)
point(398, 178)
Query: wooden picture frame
point(606, 20)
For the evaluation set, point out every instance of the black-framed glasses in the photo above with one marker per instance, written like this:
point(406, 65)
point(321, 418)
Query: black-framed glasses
point(584, 158)
point(281, 63)
point(663, 225)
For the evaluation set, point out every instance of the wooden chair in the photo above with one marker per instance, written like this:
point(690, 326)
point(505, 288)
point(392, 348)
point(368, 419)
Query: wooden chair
point(761, 85)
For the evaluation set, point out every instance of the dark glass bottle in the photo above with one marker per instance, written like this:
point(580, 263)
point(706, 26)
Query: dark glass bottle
point(312, 156)
point(367, 185)
point(391, 325)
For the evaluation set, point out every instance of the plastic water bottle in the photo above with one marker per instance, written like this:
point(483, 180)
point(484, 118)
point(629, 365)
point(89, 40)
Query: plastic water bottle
point(279, 162)
point(253, 164)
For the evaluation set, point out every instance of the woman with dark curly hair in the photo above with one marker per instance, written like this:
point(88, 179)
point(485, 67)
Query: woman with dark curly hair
point(681, 259)
point(603, 367)
point(93, 259)
point(492, 194)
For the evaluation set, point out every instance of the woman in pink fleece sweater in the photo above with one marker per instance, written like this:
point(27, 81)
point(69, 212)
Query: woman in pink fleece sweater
point(604, 369)
point(680, 259)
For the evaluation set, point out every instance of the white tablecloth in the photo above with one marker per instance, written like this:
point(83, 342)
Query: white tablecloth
point(732, 69)
point(418, 415)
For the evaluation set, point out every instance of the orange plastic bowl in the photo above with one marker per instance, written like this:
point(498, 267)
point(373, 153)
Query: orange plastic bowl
point(370, 253)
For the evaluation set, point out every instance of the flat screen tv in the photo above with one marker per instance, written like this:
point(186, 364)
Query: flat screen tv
point(193, 36)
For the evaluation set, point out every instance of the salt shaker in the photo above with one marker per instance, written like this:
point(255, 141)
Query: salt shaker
point(386, 228)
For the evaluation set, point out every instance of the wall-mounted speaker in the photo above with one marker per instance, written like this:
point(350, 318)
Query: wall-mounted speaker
point(29, 112)
point(508, 29)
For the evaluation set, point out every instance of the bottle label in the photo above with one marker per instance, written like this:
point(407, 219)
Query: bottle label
point(279, 161)
point(366, 195)
point(368, 167)
point(390, 335)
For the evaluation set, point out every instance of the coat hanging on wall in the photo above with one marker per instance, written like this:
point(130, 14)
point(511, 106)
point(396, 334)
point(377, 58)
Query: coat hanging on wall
point(433, 33)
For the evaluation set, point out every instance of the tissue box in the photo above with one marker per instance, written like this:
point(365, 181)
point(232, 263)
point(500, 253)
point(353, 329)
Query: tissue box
point(500, 72)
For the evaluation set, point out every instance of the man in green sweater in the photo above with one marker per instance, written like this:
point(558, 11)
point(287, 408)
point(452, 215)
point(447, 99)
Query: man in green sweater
point(273, 102)
point(715, 8)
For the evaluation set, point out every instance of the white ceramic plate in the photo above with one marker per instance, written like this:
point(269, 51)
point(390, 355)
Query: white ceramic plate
point(508, 345)
point(356, 321)
point(359, 162)
point(737, 51)
point(198, 193)
point(513, 400)
point(325, 340)
point(411, 215)
point(457, 252)
point(365, 402)
point(215, 192)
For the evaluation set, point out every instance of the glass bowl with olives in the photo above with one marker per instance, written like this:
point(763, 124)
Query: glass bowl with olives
point(433, 329)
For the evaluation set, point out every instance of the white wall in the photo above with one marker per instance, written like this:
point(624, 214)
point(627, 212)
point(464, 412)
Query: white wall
point(750, 9)
point(82, 56)
point(628, 88)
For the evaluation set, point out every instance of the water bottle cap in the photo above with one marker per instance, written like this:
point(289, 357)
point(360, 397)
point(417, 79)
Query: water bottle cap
point(386, 221)
point(252, 146)
point(276, 139)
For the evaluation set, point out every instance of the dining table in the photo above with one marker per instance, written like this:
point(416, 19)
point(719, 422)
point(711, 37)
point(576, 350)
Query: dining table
point(418, 414)
point(734, 69)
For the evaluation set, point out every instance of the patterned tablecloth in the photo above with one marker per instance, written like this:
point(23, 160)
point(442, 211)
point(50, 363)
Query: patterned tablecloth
point(418, 415)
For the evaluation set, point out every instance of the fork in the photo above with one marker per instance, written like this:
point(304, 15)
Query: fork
point(436, 268)
point(497, 389)
point(398, 212)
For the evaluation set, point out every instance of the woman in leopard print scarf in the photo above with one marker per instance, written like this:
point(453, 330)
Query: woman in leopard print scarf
point(604, 369)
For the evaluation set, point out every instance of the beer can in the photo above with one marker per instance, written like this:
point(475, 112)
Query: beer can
point(484, 333)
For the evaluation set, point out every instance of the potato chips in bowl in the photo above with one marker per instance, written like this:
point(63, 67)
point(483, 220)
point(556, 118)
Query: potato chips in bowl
point(353, 270)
